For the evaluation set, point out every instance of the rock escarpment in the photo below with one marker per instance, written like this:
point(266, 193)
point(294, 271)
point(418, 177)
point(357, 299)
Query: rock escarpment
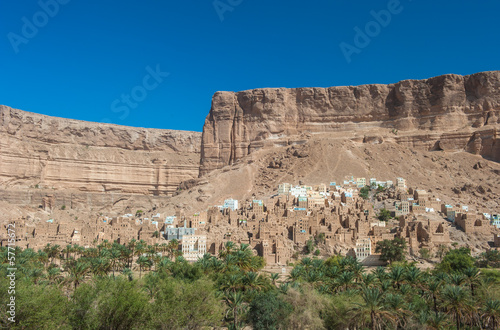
point(449, 112)
point(38, 151)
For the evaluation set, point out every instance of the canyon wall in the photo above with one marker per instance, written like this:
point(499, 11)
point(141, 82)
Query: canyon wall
point(449, 112)
point(42, 152)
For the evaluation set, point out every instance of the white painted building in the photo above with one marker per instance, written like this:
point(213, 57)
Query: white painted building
point(230, 204)
point(363, 248)
point(194, 247)
point(298, 191)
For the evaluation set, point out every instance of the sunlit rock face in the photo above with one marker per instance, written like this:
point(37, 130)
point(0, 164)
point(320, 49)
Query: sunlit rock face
point(450, 112)
point(38, 151)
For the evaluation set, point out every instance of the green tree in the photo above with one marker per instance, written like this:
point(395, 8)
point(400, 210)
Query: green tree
point(364, 192)
point(384, 215)
point(391, 250)
point(186, 305)
point(39, 307)
point(456, 260)
point(110, 303)
point(268, 310)
point(490, 258)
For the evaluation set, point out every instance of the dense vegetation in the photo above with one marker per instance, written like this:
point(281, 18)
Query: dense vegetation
point(77, 288)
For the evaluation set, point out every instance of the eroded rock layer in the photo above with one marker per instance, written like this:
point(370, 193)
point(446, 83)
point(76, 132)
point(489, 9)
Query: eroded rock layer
point(449, 112)
point(38, 151)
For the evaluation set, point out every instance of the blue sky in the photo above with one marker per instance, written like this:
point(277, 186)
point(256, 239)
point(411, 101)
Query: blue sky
point(96, 60)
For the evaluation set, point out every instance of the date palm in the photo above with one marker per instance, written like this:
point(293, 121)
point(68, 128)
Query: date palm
point(77, 271)
point(432, 291)
point(456, 302)
point(413, 275)
point(114, 258)
point(54, 274)
point(100, 266)
point(43, 257)
point(232, 283)
point(235, 302)
point(397, 275)
point(438, 321)
point(229, 247)
point(275, 277)
point(254, 281)
point(372, 308)
point(54, 252)
point(143, 262)
point(456, 279)
point(472, 278)
point(490, 313)
point(396, 303)
point(345, 279)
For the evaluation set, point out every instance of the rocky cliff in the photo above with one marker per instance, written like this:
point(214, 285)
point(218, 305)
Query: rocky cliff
point(449, 112)
point(42, 152)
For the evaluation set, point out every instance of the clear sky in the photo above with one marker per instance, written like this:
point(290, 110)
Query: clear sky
point(154, 63)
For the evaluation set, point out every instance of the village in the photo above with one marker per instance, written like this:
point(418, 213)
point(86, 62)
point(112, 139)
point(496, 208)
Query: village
point(347, 217)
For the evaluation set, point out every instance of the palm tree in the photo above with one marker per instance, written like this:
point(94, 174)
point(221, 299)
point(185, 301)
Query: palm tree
point(173, 247)
point(438, 321)
point(358, 271)
point(100, 266)
point(77, 272)
point(413, 275)
point(368, 279)
point(397, 275)
point(232, 283)
point(54, 274)
point(235, 302)
point(380, 273)
point(114, 258)
point(67, 250)
point(275, 277)
point(43, 257)
point(142, 261)
point(373, 308)
point(490, 313)
point(253, 281)
point(433, 288)
point(345, 278)
point(456, 302)
point(396, 303)
point(54, 252)
point(472, 278)
point(228, 249)
point(456, 279)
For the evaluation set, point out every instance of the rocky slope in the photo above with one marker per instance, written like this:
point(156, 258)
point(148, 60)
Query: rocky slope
point(449, 112)
point(42, 152)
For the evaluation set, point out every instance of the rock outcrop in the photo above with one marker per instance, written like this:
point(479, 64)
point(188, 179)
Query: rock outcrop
point(41, 152)
point(449, 112)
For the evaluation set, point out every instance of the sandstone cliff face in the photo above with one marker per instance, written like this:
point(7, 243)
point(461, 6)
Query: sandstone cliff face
point(448, 112)
point(47, 152)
